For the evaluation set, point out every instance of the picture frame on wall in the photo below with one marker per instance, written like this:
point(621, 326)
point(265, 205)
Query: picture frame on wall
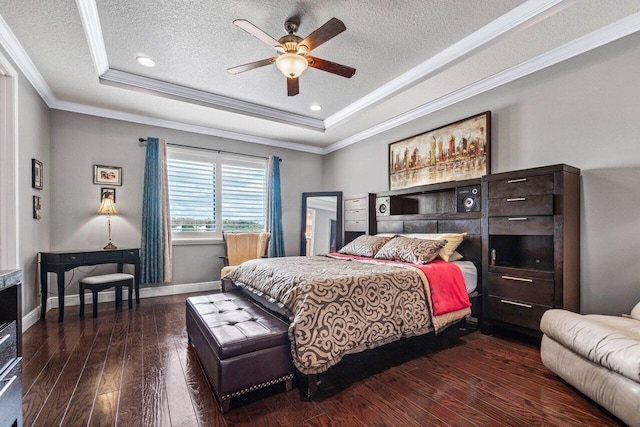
point(111, 175)
point(37, 207)
point(454, 152)
point(106, 192)
point(37, 174)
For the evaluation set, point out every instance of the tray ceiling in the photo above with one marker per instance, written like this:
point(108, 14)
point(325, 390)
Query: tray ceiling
point(411, 57)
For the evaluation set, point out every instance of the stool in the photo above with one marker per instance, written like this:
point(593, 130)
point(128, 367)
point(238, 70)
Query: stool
point(241, 346)
point(100, 283)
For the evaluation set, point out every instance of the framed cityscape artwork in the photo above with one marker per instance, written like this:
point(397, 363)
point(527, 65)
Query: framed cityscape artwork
point(453, 152)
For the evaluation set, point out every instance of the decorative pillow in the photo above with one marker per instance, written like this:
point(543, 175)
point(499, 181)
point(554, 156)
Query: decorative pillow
point(414, 251)
point(455, 256)
point(366, 246)
point(453, 241)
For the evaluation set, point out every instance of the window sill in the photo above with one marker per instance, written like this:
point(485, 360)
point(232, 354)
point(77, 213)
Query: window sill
point(196, 241)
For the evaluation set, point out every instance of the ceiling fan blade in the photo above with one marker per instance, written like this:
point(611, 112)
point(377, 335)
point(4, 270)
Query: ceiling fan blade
point(251, 65)
point(331, 67)
point(332, 28)
point(292, 86)
point(257, 32)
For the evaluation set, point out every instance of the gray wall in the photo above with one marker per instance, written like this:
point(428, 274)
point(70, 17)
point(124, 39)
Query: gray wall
point(80, 141)
point(584, 112)
point(33, 142)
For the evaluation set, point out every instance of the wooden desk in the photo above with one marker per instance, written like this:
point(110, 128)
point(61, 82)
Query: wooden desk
point(60, 261)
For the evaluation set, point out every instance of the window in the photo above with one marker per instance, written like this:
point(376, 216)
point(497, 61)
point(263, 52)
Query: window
point(210, 193)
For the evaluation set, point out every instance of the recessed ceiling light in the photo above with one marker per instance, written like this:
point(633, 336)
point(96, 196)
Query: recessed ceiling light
point(147, 62)
point(315, 107)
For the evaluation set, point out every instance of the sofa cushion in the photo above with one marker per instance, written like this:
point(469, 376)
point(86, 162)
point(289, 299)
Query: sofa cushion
point(635, 313)
point(610, 341)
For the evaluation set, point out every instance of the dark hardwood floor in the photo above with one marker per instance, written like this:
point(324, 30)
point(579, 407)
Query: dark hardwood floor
point(134, 368)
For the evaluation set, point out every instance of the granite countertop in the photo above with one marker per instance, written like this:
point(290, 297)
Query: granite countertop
point(10, 278)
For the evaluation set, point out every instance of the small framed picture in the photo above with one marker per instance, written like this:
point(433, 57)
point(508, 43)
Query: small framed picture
point(111, 175)
point(37, 174)
point(37, 207)
point(109, 193)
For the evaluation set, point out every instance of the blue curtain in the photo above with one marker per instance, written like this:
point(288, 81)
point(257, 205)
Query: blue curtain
point(152, 258)
point(276, 248)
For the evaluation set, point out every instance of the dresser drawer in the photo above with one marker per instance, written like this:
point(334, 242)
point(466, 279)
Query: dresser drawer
point(106, 256)
point(521, 288)
point(530, 205)
point(522, 225)
point(520, 187)
point(355, 226)
point(8, 345)
point(71, 258)
point(11, 395)
point(514, 312)
point(355, 215)
point(359, 203)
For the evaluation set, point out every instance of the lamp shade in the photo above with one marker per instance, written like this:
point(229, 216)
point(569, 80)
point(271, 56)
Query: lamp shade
point(291, 64)
point(107, 207)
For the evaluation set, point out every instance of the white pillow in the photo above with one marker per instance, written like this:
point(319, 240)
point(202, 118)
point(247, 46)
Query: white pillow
point(453, 241)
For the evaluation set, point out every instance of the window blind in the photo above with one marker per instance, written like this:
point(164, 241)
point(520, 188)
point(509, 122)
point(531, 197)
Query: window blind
point(243, 198)
point(192, 187)
point(211, 192)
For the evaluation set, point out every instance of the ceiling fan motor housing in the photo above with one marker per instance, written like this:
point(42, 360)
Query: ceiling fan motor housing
point(291, 44)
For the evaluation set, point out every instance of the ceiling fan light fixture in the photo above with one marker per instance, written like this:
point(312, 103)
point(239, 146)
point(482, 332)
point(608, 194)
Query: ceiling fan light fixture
point(291, 64)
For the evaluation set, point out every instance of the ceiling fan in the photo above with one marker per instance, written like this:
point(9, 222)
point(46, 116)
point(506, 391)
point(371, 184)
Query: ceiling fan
point(293, 58)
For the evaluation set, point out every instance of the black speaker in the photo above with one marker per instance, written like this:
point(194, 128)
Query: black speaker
point(468, 198)
point(383, 206)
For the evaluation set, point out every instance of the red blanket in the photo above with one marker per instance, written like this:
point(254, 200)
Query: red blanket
point(446, 284)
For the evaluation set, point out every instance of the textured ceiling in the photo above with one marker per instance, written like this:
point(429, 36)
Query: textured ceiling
point(194, 42)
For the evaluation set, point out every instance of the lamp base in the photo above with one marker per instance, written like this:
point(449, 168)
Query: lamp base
point(110, 246)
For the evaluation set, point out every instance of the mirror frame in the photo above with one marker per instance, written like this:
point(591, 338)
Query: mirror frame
point(303, 218)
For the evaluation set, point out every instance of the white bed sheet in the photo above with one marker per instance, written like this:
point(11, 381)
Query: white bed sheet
point(470, 274)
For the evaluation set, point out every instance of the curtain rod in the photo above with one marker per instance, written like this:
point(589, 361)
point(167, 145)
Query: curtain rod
point(143, 140)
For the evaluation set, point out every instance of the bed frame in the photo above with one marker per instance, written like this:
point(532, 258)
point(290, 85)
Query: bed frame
point(470, 248)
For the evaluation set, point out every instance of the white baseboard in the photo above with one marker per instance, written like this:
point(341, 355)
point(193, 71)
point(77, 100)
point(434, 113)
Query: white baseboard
point(106, 296)
point(31, 318)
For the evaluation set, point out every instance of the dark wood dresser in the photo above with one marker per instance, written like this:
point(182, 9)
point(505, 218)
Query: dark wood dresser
point(10, 348)
point(531, 245)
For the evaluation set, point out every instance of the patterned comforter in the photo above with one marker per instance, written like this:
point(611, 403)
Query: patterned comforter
point(342, 306)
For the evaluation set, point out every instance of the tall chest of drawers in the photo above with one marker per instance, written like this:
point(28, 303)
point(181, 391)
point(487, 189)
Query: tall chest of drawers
point(10, 348)
point(359, 216)
point(531, 245)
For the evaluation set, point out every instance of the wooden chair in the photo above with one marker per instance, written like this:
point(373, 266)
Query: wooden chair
point(241, 247)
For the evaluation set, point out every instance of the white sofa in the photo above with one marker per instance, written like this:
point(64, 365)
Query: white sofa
point(599, 355)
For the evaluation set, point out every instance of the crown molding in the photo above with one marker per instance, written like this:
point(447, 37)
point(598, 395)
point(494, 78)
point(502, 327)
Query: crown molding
point(457, 51)
point(91, 24)
point(593, 40)
point(17, 53)
point(170, 124)
point(93, 31)
point(208, 99)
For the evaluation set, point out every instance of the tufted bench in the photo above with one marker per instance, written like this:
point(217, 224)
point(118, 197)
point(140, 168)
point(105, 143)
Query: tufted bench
point(241, 346)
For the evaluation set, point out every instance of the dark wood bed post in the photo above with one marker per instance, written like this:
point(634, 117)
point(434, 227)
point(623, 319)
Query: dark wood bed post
point(310, 389)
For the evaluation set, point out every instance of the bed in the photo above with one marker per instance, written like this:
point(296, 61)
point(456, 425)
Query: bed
point(339, 304)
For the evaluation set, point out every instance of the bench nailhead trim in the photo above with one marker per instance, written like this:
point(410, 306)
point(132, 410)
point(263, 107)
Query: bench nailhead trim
point(256, 387)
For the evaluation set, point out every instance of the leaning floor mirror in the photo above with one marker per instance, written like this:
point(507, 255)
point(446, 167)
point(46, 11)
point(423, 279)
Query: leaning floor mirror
point(321, 223)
